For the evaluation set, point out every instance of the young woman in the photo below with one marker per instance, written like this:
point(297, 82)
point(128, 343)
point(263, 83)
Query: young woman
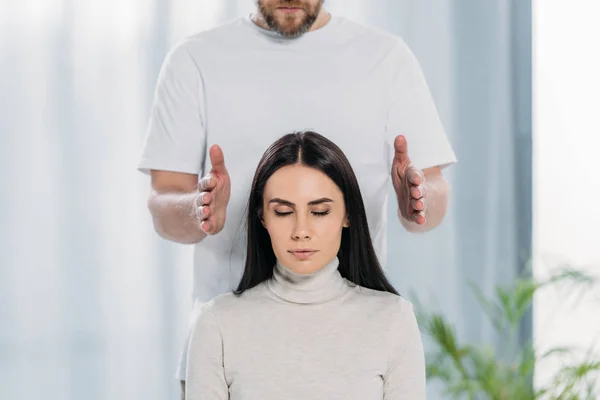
point(314, 317)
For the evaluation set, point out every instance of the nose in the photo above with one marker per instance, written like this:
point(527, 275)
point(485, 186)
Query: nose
point(301, 229)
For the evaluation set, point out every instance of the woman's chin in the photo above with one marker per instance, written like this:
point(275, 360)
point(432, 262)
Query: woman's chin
point(305, 267)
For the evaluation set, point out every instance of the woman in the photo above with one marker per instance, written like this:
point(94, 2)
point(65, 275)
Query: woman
point(314, 316)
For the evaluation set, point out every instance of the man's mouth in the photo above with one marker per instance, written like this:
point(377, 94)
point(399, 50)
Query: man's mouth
point(289, 10)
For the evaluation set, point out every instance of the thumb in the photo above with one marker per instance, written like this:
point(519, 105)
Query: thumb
point(401, 149)
point(217, 160)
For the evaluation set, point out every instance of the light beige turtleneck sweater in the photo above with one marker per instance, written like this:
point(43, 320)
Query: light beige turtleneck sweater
point(306, 337)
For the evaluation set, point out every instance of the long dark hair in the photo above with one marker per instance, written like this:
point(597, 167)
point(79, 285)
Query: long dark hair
point(357, 260)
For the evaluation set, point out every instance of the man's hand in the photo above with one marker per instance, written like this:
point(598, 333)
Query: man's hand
point(409, 184)
point(215, 190)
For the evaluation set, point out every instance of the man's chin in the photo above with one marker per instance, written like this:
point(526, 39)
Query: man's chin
point(292, 30)
point(290, 33)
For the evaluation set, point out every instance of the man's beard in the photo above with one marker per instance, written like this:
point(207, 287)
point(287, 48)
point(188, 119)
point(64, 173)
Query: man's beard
point(289, 27)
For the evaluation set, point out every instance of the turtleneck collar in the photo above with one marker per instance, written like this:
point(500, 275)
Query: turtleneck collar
point(317, 287)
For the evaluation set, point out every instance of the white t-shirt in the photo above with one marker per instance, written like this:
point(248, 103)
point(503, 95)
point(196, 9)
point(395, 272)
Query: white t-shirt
point(243, 87)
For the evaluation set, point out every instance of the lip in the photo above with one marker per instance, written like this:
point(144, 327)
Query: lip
point(302, 254)
point(289, 9)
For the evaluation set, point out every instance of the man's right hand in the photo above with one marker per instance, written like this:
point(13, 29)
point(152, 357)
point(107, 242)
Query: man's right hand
point(215, 191)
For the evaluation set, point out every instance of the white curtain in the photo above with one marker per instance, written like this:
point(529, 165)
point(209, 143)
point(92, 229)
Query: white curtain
point(93, 305)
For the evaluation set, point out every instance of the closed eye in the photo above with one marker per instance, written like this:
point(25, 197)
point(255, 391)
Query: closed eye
point(315, 213)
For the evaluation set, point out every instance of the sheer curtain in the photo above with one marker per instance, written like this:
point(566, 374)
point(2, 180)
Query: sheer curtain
point(93, 305)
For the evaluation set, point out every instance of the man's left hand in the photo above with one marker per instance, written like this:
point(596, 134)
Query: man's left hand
point(409, 183)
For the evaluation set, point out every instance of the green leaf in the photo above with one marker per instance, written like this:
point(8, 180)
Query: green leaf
point(558, 351)
point(526, 361)
point(492, 310)
point(523, 298)
point(439, 372)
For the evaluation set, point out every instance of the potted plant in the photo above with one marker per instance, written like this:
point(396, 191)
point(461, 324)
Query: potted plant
point(475, 371)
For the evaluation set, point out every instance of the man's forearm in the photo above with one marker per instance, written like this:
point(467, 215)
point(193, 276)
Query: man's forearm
point(437, 192)
point(174, 216)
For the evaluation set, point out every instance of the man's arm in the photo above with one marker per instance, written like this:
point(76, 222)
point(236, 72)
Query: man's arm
point(185, 210)
point(413, 118)
point(174, 204)
point(422, 194)
point(436, 192)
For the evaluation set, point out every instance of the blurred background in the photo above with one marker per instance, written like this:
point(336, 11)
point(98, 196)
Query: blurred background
point(94, 305)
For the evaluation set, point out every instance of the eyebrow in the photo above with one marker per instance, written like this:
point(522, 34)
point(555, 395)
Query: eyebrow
point(310, 203)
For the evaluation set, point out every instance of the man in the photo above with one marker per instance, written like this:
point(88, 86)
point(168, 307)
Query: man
point(235, 89)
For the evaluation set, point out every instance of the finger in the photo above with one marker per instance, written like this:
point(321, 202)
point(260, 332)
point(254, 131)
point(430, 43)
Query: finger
point(204, 199)
point(401, 145)
point(401, 148)
point(418, 205)
point(206, 227)
point(415, 176)
point(217, 159)
point(418, 217)
point(207, 183)
point(204, 212)
point(417, 192)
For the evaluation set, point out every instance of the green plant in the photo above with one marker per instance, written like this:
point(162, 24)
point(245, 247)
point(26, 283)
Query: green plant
point(477, 372)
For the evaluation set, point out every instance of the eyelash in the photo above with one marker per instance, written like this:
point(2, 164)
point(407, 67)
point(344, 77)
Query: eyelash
point(315, 213)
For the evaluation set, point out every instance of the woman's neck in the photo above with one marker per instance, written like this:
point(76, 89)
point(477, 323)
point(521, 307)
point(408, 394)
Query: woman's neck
point(317, 287)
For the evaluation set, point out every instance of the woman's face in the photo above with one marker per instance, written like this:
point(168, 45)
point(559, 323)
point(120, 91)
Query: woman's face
point(304, 213)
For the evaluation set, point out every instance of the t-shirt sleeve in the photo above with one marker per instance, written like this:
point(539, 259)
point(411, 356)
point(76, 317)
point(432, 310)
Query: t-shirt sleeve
point(413, 113)
point(405, 377)
point(205, 373)
point(175, 138)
